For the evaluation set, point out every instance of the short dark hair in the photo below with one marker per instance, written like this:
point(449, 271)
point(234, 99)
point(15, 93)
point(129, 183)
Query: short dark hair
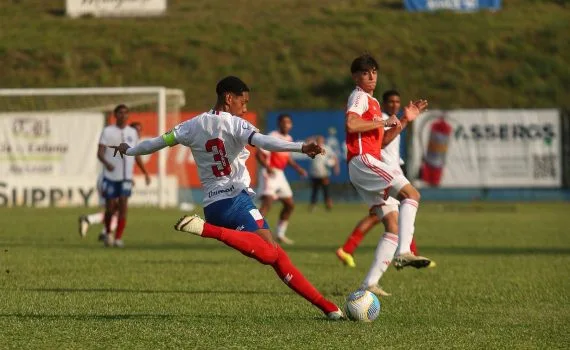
point(135, 124)
point(119, 107)
point(231, 84)
point(389, 93)
point(281, 117)
point(363, 63)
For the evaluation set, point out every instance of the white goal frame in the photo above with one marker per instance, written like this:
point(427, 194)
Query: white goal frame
point(160, 91)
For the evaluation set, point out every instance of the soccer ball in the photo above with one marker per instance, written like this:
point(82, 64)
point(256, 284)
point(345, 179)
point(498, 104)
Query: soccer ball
point(362, 306)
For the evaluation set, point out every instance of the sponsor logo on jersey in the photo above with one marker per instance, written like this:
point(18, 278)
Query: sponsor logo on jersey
point(218, 192)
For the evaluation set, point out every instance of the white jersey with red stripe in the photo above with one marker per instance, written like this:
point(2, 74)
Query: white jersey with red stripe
point(218, 141)
point(368, 142)
point(279, 160)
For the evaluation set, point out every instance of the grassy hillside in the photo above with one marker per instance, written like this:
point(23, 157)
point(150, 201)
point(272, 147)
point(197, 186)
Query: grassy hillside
point(295, 54)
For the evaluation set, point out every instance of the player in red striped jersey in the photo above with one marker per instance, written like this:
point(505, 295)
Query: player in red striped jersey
point(374, 180)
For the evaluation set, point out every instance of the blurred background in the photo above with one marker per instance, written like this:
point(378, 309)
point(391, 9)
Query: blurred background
point(496, 74)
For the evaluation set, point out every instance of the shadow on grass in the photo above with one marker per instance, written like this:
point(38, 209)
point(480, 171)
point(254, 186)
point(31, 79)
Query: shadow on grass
point(154, 291)
point(488, 250)
point(182, 317)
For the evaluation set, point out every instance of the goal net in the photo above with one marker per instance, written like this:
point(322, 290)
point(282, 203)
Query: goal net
point(49, 140)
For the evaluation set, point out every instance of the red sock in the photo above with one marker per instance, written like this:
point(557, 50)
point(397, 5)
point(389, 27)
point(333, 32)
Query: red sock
point(353, 240)
point(413, 247)
point(295, 280)
point(253, 246)
point(248, 243)
point(120, 227)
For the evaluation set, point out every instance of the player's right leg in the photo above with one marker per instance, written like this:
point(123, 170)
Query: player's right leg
point(409, 198)
point(240, 213)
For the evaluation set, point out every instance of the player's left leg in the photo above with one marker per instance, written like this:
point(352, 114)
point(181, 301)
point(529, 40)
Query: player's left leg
point(283, 223)
point(285, 194)
point(315, 184)
point(385, 249)
point(345, 253)
point(328, 200)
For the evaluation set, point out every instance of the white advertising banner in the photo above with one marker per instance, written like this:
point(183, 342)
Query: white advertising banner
point(38, 191)
point(49, 144)
point(487, 148)
point(114, 8)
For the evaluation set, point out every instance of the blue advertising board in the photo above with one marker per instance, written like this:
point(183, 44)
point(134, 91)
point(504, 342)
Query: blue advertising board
point(308, 123)
point(453, 5)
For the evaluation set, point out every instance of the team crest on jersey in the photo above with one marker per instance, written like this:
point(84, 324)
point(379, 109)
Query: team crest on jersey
point(245, 125)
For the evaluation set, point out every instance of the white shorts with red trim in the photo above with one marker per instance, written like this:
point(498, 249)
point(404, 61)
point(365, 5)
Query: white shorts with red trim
point(375, 181)
point(274, 185)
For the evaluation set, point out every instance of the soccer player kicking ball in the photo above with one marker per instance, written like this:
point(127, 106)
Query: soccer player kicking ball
point(218, 139)
point(391, 156)
point(374, 180)
point(274, 184)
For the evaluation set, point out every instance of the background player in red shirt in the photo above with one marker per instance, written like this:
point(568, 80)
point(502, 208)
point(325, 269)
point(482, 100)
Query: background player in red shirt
point(273, 183)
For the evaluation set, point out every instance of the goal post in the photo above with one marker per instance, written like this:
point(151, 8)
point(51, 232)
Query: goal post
point(55, 116)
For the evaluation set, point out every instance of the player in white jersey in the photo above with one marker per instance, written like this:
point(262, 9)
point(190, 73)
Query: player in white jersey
point(273, 183)
point(217, 139)
point(118, 173)
point(85, 221)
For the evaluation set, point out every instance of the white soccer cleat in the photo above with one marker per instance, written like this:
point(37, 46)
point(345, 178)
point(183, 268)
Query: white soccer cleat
point(83, 226)
point(191, 224)
point(336, 315)
point(409, 259)
point(285, 240)
point(119, 243)
point(376, 289)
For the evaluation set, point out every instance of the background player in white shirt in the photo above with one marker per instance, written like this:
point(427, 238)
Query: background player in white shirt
point(118, 173)
point(273, 184)
point(85, 221)
point(217, 139)
point(320, 173)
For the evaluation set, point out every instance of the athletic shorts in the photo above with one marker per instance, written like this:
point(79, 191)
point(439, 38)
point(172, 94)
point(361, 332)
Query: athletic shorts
point(274, 185)
point(237, 213)
point(375, 181)
point(115, 189)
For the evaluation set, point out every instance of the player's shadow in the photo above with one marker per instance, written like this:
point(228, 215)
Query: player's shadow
point(497, 250)
point(185, 317)
point(155, 291)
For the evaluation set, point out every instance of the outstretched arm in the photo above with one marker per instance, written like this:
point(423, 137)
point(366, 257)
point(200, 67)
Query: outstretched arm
point(145, 147)
point(277, 145)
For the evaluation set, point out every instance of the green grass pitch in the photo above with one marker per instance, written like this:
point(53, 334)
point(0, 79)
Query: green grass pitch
point(502, 281)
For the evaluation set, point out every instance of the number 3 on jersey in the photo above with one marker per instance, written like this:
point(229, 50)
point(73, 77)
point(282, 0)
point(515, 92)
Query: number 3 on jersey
point(223, 168)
